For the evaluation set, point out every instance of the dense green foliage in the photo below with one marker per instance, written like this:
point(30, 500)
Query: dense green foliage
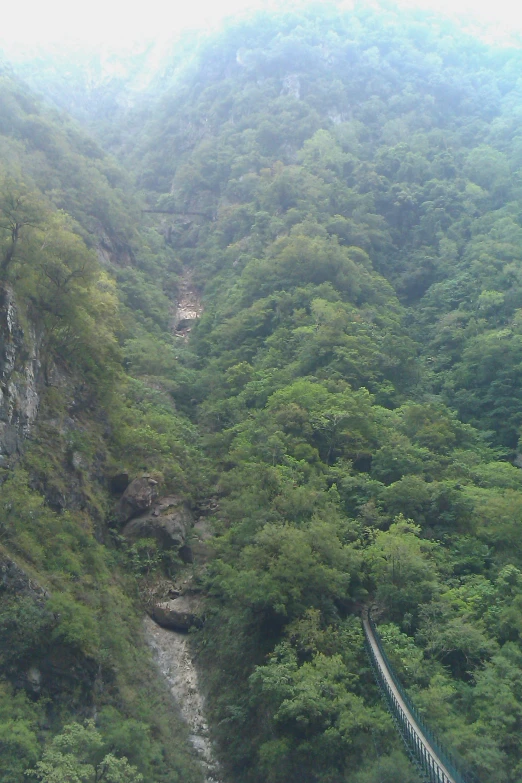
point(344, 190)
point(75, 643)
point(355, 378)
point(396, 135)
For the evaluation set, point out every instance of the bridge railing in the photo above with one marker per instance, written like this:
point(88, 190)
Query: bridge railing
point(431, 770)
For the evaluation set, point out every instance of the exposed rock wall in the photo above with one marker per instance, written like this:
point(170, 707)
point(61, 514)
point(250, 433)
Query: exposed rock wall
point(169, 521)
point(20, 370)
point(14, 580)
point(188, 308)
point(174, 660)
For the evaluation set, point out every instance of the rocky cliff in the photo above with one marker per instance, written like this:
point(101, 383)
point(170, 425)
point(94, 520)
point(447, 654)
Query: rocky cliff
point(20, 371)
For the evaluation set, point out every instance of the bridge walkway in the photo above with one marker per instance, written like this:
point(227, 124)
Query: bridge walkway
point(432, 762)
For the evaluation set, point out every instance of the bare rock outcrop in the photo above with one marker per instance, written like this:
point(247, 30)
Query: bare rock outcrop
point(188, 308)
point(179, 614)
point(173, 655)
point(169, 521)
point(15, 581)
point(20, 369)
point(137, 498)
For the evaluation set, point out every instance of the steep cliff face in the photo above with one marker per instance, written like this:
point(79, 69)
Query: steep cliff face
point(14, 580)
point(34, 659)
point(71, 419)
point(43, 664)
point(20, 370)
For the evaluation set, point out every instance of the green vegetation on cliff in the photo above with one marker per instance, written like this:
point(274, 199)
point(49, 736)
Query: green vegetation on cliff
point(344, 191)
point(71, 636)
point(355, 379)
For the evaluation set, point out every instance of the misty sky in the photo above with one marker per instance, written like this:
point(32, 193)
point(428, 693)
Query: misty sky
point(29, 22)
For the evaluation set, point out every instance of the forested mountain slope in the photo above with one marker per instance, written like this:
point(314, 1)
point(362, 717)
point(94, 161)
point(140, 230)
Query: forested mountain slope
point(71, 645)
point(344, 190)
point(397, 136)
point(356, 367)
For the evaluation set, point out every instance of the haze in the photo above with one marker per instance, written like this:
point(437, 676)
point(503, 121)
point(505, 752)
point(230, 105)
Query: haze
point(119, 24)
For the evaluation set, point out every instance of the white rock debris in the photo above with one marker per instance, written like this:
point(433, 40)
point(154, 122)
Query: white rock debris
point(172, 654)
point(188, 307)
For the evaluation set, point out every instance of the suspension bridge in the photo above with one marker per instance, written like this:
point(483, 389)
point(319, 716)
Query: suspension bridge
point(434, 763)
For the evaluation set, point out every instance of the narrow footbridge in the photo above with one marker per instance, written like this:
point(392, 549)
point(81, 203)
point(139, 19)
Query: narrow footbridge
point(434, 764)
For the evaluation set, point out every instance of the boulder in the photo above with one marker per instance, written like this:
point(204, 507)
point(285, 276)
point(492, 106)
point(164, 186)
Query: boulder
point(168, 521)
point(179, 614)
point(137, 498)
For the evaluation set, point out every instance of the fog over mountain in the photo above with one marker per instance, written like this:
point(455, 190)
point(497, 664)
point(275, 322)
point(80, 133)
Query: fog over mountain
point(261, 374)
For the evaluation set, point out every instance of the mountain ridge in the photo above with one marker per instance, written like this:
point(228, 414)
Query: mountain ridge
point(342, 190)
